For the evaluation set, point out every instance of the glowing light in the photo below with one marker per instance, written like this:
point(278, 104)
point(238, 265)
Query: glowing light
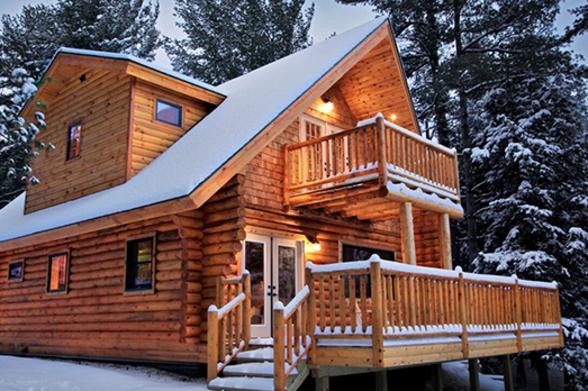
point(327, 107)
point(314, 247)
point(393, 117)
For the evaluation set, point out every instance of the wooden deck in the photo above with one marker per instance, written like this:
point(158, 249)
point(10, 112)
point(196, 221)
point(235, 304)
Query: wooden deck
point(365, 172)
point(380, 314)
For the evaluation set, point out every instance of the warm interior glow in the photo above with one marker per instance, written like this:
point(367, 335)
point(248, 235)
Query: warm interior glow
point(313, 247)
point(393, 117)
point(327, 107)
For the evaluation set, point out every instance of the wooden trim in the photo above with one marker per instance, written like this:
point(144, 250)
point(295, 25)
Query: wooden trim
point(8, 279)
point(131, 130)
point(126, 290)
point(66, 252)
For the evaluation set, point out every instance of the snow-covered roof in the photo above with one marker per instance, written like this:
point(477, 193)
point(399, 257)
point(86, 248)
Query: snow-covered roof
point(252, 103)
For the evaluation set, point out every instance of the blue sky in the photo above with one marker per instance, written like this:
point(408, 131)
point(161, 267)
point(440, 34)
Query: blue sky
point(329, 17)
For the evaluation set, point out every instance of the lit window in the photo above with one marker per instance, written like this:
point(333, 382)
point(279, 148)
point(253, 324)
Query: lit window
point(57, 273)
point(74, 138)
point(139, 264)
point(16, 271)
point(168, 113)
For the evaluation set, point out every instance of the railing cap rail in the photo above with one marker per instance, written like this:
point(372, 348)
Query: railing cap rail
point(227, 307)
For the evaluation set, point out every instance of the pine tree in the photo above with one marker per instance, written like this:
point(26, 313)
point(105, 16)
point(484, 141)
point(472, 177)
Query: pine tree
point(227, 38)
point(29, 40)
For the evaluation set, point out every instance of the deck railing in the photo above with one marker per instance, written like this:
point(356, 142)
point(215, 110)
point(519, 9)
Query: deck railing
point(421, 302)
point(376, 150)
point(229, 327)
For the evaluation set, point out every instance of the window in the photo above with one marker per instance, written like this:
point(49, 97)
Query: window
point(351, 253)
point(74, 138)
point(16, 271)
point(139, 264)
point(168, 113)
point(57, 272)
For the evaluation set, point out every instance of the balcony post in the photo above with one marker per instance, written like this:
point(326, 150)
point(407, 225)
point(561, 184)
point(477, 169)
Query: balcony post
point(377, 321)
point(445, 241)
point(279, 346)
point(311, 319)
point(247, 308)
point(381, 145)
point(518, 313)
point(407, 233)
point(463, 314)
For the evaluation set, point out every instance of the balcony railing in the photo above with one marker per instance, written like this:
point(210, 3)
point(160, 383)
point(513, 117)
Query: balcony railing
point(377, 150)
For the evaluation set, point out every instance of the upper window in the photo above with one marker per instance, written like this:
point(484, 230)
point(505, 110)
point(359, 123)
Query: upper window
point(74, 138)
point(16, 271)
point(358, 253)
point(168, 112)
point(57, 272)
point(139, 264)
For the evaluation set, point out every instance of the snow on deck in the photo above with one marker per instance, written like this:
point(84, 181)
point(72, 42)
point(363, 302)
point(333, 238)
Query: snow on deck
point(32, 374)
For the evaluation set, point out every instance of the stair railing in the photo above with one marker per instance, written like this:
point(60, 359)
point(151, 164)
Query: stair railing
point(292, 336)
point(229, 327)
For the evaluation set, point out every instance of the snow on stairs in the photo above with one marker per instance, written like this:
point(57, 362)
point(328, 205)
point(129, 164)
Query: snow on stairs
point(253, 370)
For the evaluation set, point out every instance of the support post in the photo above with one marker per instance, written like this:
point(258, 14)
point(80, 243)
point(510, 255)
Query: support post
point(507, 371)
point(377, 321)
point(381, 380)
point(321, 383)
point(474, 369)
point(212, 345)
point(311, 318)
point(463, 314)
point(407, 233)
point(518, 314)
point(381, 145)
point(437, 377)
point(247, 308)
point(445, 241)
point(279, 359)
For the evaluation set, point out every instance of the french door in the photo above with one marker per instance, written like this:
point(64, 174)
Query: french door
point(274, 264)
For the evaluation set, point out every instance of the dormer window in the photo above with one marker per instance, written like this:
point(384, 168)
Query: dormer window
point(74, 138)
point(168, 113)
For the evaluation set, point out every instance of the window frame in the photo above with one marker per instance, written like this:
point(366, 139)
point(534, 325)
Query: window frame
point(65, 290)
point(176, 105)
point(21, 261)
point(135, 291)
point(80, 123)
point(360, 243)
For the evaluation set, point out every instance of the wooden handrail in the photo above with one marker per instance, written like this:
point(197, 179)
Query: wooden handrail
point(229, 327)
point(292, 336)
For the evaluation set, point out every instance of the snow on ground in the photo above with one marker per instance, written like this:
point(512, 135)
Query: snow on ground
point(32, 374)
point(456, 378)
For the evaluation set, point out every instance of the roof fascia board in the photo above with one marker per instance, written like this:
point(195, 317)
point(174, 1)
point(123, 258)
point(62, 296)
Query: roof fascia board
point(235, 164)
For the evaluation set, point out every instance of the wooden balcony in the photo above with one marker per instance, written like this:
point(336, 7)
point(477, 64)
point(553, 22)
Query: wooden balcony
point(365, 172)
point(377, 314)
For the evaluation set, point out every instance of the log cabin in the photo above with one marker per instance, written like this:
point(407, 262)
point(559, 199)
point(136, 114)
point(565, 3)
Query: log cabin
point(180, 222)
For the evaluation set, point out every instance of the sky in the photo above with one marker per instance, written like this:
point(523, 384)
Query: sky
point(330, 17)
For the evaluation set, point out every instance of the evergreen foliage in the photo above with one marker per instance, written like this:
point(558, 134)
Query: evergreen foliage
point(227, 38)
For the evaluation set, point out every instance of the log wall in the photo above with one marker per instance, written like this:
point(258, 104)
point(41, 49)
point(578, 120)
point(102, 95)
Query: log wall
point(101, 103)
point(96, 318)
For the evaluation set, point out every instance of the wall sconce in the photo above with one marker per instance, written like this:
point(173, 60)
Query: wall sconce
point(313, 244)
point(393, 117)
point(327, 105)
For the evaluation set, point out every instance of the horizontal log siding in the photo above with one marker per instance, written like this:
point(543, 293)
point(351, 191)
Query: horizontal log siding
point(102, 104)
point(151, 137)
point(96, 318)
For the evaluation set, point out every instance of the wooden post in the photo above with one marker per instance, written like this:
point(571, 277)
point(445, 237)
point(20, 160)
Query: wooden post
point(518, 309)
point(507, 371)
point(474, 369)
point(321, 383)
point(212, 350)
point(311, 318)
point(445, 241)
point(377, 323)
point(558, 314)
point(247, 308)
point(407, 233)
point(220, 296)
point(381, 380)
point(463, 314)
point(381, 145)
point(437, 377)
point(286, 188)
point(279, 356)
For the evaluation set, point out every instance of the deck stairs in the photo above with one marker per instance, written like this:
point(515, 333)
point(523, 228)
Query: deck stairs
point(253, 370)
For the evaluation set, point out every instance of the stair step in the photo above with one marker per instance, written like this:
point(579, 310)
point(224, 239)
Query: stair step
point(256, 355)
point(242, 384)
point(261, 342)
point(256, 369)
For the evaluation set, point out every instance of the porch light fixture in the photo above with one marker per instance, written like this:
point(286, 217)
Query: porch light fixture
point(393, 117)
point(327, 105)
point(313, 244)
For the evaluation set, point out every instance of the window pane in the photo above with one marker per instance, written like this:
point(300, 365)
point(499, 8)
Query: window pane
point(286, 273)
point(15, 271)
point(57, 273)
point(358, 253)
point(169, 113)
point(139, 265)
point(254, 253)
point(74, 141)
